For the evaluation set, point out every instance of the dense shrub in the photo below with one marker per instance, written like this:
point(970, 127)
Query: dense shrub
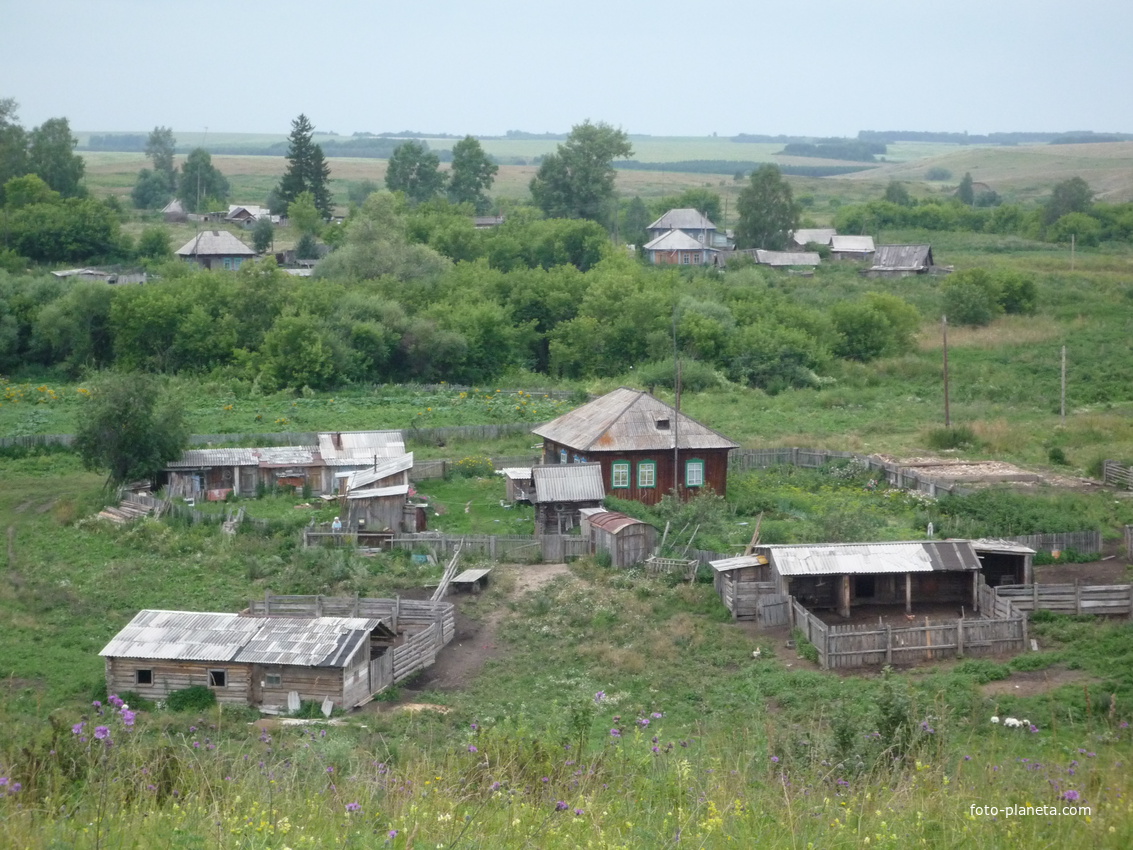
point(193, 698)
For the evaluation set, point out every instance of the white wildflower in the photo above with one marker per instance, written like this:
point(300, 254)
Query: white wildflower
point(994, 719)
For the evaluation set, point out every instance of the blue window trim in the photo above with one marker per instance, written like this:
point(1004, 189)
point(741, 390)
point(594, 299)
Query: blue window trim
point(644, 464)
point(688, 466)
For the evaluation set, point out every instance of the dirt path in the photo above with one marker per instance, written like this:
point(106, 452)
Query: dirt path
point(475, 641)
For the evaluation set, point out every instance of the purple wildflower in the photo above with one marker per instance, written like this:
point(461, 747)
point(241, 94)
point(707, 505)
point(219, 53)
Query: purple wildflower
point(495, 786)
point(3, 781)
point(560, 806)
point(656, 715)
point(16, 788)
point(579, 813)
point(967, 758)
point(615, 733)
point(598, 697)
point(353, 807)
point(96, 704)
point(77, 729)
point(128, 717)
point(1072, 796)
point(473, 726)
point(101, 732)
point(643, 722)
point(393, 834)
point(472, 748)
point(775, 759)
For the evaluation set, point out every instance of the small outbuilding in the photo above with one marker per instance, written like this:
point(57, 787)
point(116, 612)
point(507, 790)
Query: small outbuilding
point(901, 261)
point(376, 496)
point(562, 491)
point(520, 487)
point(628, 541)
point(852, 247)
point(740, 581)
point(1005, 561)
point(256, 661)
point(813, 236)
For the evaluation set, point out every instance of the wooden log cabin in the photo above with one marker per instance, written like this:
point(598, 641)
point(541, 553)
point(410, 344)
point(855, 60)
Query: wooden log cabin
point(269, 663)
point(644, 447)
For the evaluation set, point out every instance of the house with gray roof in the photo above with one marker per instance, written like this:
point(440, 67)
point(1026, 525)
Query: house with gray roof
point(215, 249)
point(812, 235)
point(852, 247)
point(677, 248)
point(645, 448)
point(684, 237)
point(266, 662)
point(901, 261)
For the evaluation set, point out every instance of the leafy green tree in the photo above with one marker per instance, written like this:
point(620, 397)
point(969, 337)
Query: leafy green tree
point(51, 156)
point(151, 190)
point(299, 351)
point(414, 170)
point(1069, 196)
point(304, 215)
point(767, 210)
point(160, 147)
point(263, 234)
point(965, 193)
point(307, 248)
point(128, 429)
point(307, 170)
point(201, 181)
point(971, 297)
point(1085, 230)
point(74, 330)
point(577, 180)
point(75, 229)
point(153, 244)
point(358, 192)
point(13, 144)
point(473, 173)
point(696, 198)
point(877, 325)
point(636, 221)
point(27, 190)
point(896, 193)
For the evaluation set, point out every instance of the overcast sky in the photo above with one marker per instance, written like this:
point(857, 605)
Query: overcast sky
point(822, 67)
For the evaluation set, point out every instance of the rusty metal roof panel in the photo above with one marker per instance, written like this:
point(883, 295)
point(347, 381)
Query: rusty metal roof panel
point(872, 558)
point(568, 482)
point(612, 521)
point(629, 420)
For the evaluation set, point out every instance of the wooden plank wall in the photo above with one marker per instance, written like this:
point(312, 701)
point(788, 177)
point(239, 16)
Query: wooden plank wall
point(1077, 598)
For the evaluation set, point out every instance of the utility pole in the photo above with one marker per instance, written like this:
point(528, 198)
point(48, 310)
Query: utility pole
point(944, 330)
point(1062, 405)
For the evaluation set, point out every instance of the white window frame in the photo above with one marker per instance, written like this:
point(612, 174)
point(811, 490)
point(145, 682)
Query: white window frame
point(619, 475)
point(696, 480)
point(646, 474)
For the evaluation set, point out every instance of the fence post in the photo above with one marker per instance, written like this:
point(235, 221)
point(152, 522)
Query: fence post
point(1034, 596)
point(888, 645)
point(1077, 596)
point(318, 605)
point(267, 603)
point(960, 638)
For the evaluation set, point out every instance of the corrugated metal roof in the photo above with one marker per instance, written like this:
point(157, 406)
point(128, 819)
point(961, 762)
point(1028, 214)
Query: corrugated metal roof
point(515, 473)
point(337, 445)
point(568, 482)
point(867, 558)
point(629, 420)
point(385, 469)
point(725, 565)
point(612, 521)
point(787, 258)
point(215, 243)
point(202, 458)
point(197, 636)
point(183, 635)
point(855, 244)
point(674, 240)
point(991, 544)
point(379, 492)
point(902, 258)
point(818, 235)
point(682, 219)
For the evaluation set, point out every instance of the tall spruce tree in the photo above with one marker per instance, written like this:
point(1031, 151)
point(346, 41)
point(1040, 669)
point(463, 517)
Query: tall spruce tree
point(307, 170)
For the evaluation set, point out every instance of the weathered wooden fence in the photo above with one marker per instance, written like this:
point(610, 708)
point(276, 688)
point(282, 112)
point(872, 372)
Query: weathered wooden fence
point(1076, 598)
point(1080, 541)
point(1117, 474)
point(773, 609)
point(813, 629)
point(863, 645)
point(423, 627)
point(518, 549)
point(427, 469)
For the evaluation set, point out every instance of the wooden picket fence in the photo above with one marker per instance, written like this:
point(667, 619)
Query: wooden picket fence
point(1117, 474)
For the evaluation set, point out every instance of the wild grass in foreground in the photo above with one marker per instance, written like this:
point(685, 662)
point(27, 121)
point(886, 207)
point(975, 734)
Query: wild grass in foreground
point(116, 777)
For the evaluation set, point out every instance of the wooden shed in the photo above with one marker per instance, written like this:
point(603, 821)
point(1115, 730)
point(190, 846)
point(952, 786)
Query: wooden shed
point(852, 247)
point(376, 497)
point(901, 261)
point(629, 541)
point(520, 487)
point(740, 581)
point(645, 447)
point(264, 662)
point(561, 492)
point(1005, 561)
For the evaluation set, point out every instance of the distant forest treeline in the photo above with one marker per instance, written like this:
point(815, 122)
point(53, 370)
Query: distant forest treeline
point(372, 147)
point(888, 137)
point(731, 166)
